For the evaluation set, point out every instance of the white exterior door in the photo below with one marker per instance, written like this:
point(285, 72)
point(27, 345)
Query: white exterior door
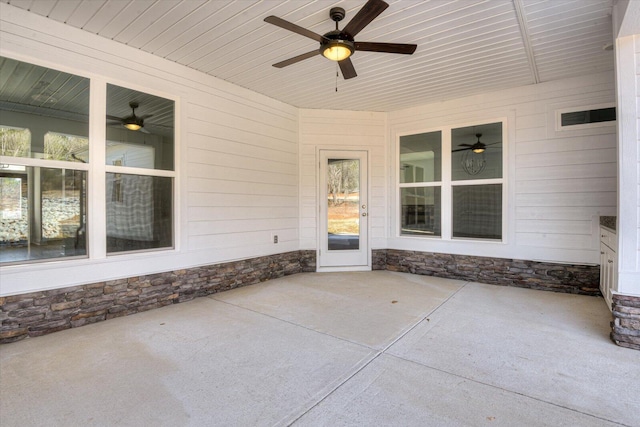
point(343, 226)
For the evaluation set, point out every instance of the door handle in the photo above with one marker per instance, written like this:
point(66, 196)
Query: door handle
point(364, 214)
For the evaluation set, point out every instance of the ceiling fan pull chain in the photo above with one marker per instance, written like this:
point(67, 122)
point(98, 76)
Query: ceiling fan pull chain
point(336, 77)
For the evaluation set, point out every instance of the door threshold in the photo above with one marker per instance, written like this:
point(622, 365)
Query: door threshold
point(347, 268)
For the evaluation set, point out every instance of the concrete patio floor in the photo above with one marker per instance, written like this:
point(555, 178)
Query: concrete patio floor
point(333, 349)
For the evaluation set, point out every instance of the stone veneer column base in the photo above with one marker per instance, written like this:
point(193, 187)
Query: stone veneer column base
point(575, 279)
point(625, 328)
point(40, 313)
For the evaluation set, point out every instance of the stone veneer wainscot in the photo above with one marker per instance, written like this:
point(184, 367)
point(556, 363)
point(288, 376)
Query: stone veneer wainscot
point(39, 313)
point(575, 279)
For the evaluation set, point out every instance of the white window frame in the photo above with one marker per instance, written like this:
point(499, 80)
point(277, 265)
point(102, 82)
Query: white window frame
point(96, 174)
point(446, 184)
point(174, 174)
point(446, 169)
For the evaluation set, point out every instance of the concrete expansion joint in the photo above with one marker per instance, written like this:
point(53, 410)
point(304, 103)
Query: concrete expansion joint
point(377, 354)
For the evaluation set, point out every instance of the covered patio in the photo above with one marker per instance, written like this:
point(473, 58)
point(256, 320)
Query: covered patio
point(357, 348)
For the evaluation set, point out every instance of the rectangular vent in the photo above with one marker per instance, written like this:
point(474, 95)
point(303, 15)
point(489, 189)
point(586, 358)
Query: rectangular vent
point(600, 115)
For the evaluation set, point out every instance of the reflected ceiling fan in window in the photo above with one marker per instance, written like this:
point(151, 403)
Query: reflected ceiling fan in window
point(478, 147)
point(131, 122)
point(338, 45)
point(473, 161)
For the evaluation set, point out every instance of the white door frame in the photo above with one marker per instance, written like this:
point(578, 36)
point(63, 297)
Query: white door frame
point(344, 260)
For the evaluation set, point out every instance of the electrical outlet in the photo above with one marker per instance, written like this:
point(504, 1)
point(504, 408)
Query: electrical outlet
point(275, 238)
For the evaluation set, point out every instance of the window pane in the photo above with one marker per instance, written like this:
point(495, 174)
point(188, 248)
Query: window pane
point(42, 213)
point(421, 211)
point(477, 211)
point(15, 142)
point(39, 99)
point(476, 152)
point(140, 129)
point(70, 148)
point(139, 212)
point(421, 157)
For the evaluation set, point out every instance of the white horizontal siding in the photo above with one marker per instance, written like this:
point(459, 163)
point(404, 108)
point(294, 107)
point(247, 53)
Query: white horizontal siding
point(557, 213)
point(555, 226)
point(223, 213)
point(559, 182)
point(604, 199)
point(239, 201)
point(568, 185)
point(237, 173)
point(597, 170)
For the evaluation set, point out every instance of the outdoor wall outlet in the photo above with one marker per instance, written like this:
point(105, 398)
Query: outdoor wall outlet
point(275, 238)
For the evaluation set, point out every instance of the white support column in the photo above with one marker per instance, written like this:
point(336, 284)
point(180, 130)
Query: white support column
point(627, 49)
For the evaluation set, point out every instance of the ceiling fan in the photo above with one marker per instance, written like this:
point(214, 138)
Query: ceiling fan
point(338, 45)
point(131, 122)
point(478, 147)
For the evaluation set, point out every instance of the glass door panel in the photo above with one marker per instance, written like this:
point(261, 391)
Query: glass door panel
point(343, 201)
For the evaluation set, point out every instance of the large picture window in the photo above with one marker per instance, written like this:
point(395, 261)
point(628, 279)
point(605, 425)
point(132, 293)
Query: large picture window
point(45, 167)
point(476, 175)
point(472, 182)
point(140, 164)
point(421, 182)
point(44, 123)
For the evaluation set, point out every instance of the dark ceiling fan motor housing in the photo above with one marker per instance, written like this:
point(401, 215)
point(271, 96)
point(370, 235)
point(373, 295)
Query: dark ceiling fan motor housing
point(343, 39)
point(337, 14)
point(337, 37)
point(133, 119)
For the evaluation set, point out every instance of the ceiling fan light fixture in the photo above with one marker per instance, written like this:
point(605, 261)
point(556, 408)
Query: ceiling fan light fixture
point(478, 150)
point(132, 126)
point(337, 50)
point(473, 164)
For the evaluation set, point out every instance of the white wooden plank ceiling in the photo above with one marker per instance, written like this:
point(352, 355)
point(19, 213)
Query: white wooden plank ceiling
point(465, 47)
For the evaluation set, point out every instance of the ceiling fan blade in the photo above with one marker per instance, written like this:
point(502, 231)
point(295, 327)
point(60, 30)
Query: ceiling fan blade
point(114, 118)
point(146, 116)
point(348, 71)
point(494, 143)
point(461, 149)
point(403, 48)
point(279, 22)
point(368, 13)
point(296, 59)
point(466, 145)
point(143, 130)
